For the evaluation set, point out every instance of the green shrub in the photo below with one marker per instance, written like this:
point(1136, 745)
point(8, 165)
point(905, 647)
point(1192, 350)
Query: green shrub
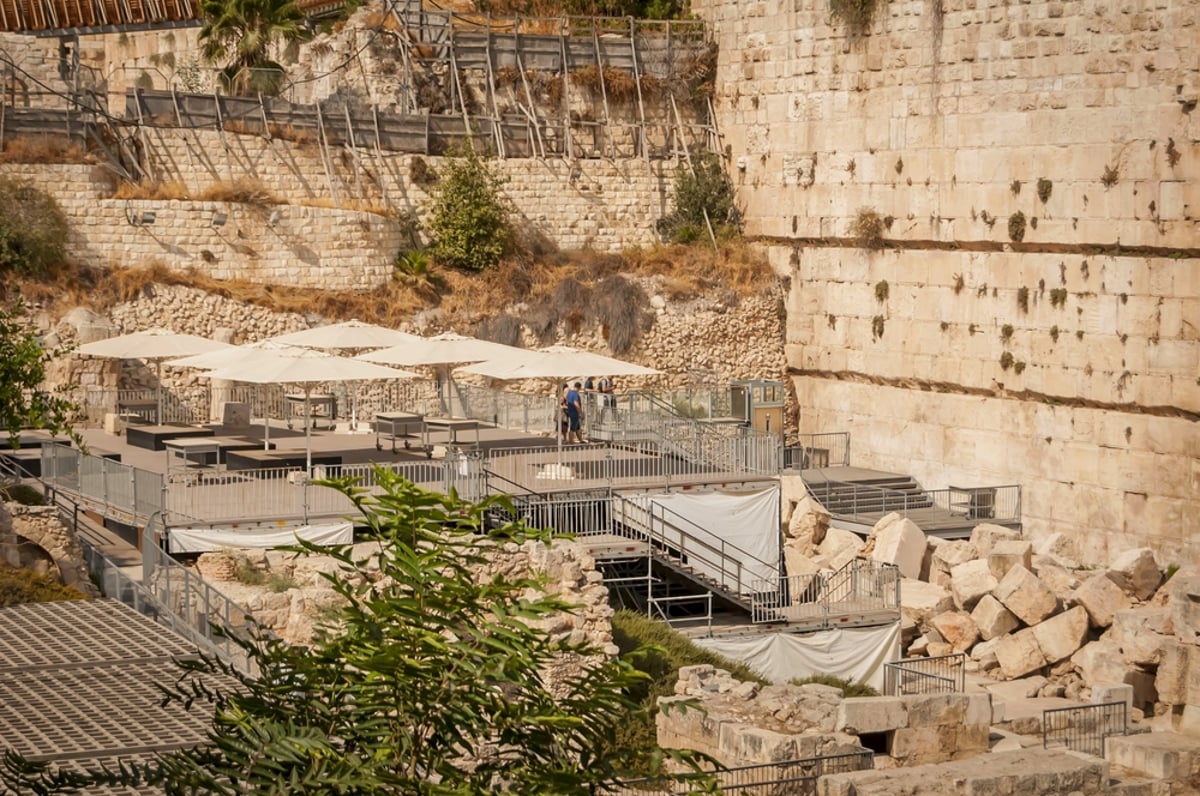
point(1016, 227)
point(664, 652)
point(701, 188)
point(33, 230)
point(20, 586)
point(24, 494)
point(856, 15)
point(868, 227)
point(469, 218)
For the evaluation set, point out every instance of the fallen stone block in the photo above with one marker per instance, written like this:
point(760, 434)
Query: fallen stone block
point(1026, 596)
point(857, 715)
point(949, 554)
point(1100, 662)
point(969, 582)
point(902, 543)
point(1178, 678)
point(1056, 544)
point(1007, 554)
point(1163, 755)
point(957, 628)
point(1060, 636)
point(1028, 771)
point(920, 600)
point(837, 541)
point(796, 561)
point(985, 536)
point(1019, 654)
point(1057, 578)
point(809, 522)
point(1134, 630)
point(993, 619)
point(1101, 598)
point(1105, 693)
point(1137, 572)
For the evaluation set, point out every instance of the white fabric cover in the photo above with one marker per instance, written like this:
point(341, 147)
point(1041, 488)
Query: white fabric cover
point(203, 540)
point(747, 520)
point(856, 654)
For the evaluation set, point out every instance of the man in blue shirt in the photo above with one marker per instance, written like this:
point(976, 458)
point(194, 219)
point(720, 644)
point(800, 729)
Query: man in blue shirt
point(575, 414)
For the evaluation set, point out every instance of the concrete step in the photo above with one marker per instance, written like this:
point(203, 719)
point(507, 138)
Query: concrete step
point(1161, 755)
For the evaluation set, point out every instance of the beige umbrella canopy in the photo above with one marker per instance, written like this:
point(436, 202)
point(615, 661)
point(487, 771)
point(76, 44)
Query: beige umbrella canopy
point(345, 337)
point(152, 345)
point(304, 368)
point(556, 362)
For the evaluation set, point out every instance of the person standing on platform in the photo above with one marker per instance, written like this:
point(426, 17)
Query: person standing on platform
point(575, 414)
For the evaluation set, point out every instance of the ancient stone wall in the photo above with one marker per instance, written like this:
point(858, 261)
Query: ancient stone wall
point(1072, 375)
point(946, 118)
point(991, 346)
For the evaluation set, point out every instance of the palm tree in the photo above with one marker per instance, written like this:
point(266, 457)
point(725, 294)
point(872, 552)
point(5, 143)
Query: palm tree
point(240, 33)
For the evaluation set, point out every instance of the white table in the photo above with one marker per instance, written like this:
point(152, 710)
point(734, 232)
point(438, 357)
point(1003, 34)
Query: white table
point(319, 406)
point(454, 425)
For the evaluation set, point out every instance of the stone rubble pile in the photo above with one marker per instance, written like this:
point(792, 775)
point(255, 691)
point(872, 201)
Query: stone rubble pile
point(1018, 609)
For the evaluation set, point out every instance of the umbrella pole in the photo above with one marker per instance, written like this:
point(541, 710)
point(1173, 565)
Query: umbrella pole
point(266, 421)
point(158, 417)
point(354, 406)
point(307, 433)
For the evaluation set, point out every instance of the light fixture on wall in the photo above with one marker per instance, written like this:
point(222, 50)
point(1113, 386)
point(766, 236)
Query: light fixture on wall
point(219, 218)
point(140, 219)
point(273, 219)
point(576, 173)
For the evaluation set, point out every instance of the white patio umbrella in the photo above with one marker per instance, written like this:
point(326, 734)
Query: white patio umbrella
point(152, 345)
point(441, 351)
point(304, 368)
point(347, 336)
point(232, 356)
point(556, 362)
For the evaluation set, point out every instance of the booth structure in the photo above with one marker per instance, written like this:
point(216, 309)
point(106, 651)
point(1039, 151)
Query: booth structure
point(759, 403)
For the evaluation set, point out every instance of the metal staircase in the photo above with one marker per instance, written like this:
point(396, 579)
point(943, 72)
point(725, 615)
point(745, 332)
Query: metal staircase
point(877, 495)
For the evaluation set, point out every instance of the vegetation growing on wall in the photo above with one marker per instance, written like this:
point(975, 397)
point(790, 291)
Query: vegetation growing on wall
point(855, 15)
point(21, 586)
point(469, 217)
point(867, 228)
point(33, 231)
point(24, 400)
point(703, 196)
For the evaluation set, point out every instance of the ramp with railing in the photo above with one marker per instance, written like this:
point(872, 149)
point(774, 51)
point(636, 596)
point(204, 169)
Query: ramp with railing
point(862, 593)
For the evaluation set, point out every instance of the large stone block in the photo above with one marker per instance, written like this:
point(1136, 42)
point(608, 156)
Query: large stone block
point(1162, 755)
point(938, 710)
point(1060, 580)
point(838, 542)
point(857, 715)
point(1026, 596)
point(993, 619)
point(1185, 607)
point(1060, 636)
point(1019, 654)
point(809, 521)
point(985, 535)
point(1101, 598)
point(1137, 631)
point(950, 554)
point(1007, 554)
point(1178, 678)
point(957, 628)
point(902, 543)
point(1136, 572)
point(969, 582)
point(1100, 662)
point(920, 600)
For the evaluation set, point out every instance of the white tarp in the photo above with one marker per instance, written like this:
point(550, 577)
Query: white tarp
point(203, 540)
point(748, 521)
point(856, 654)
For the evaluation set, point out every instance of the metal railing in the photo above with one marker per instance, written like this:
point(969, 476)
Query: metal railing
point(943, 674)
point(1084, 728)
point(190, 606)
point(675, 537)
point(114, 490)
point(866, 502)
point(868, 589)
point(793, 777)
point(818, 450)
point(578, 515)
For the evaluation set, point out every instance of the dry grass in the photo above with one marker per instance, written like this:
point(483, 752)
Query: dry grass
point(618, 85)
point(43, 149)
point(536, 283)
point(151, 190)
point(251, 192)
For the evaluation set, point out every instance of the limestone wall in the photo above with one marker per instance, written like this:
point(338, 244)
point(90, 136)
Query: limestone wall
point(936, 116)
point(598, 204)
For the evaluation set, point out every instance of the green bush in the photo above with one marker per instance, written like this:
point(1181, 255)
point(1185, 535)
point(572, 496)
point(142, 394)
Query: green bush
point(21, 586)
point(700, 188)
point(663, 652)
point(33, 230)
point(469, 217)
point(24, 494)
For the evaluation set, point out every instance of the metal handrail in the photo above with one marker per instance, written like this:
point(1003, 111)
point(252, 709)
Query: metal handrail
point(1003, 503)
point(726, 558)
point(936, 675)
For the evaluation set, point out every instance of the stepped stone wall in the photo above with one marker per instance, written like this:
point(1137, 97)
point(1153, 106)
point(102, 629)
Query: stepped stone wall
point(970, 350)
